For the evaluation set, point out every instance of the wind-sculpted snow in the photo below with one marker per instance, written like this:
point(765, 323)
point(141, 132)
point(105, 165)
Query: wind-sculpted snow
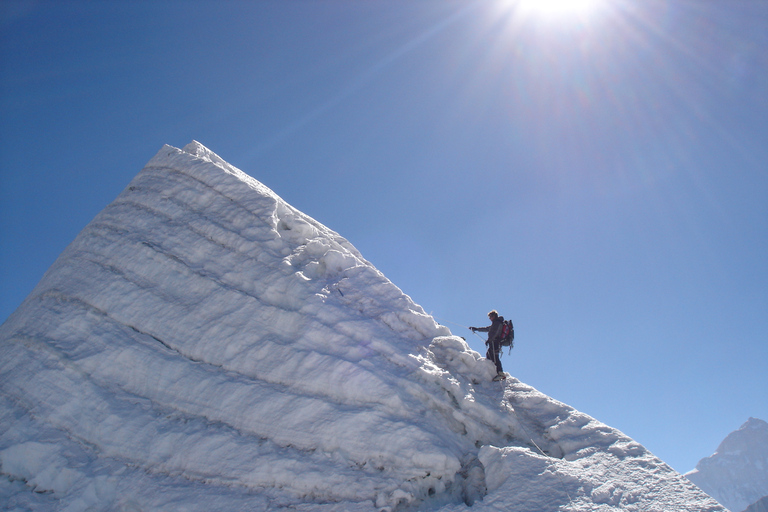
point(202, 345)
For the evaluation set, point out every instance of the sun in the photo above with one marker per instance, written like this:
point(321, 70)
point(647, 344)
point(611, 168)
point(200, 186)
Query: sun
point(558, 7)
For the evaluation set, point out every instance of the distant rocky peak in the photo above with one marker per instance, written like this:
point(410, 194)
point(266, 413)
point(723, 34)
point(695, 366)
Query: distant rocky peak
point(735, 475)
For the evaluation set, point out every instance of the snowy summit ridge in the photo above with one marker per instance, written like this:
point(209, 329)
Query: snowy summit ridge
point(202, 345)
point(736, 473)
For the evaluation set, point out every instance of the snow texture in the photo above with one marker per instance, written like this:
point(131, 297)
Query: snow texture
point(737, 473)
point(202, 345)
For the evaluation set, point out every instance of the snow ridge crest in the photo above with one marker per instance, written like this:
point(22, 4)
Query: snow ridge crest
point(203, 345)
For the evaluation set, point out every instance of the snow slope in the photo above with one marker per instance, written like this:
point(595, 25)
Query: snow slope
point(202, 345)
point(737, 473)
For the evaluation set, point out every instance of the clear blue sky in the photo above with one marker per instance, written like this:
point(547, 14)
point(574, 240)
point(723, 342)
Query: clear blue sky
point(601, 176)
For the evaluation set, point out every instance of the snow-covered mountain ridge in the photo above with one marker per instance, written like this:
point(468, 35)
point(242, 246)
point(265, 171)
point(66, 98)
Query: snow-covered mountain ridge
point(737, 473)
point(202, 345)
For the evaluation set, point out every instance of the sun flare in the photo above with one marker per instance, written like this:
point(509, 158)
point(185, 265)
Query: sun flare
point(558, 7)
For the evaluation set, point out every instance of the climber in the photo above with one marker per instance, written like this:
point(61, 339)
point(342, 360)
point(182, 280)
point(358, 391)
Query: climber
point(494, 341)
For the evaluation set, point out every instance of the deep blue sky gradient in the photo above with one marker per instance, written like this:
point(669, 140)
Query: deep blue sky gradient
point(602, 180)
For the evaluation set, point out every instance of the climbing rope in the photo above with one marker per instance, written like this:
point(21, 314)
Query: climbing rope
point(514, 412)
point(447, 322)
point(457, 325)
point(530, 438)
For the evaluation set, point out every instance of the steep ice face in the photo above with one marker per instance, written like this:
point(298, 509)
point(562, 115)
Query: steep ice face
point(737, 473)
point(202, 345)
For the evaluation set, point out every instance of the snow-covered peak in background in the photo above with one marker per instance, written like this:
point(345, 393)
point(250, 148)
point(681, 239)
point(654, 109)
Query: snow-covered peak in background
point(202, 345)
point(737, 473)
point(760, 505)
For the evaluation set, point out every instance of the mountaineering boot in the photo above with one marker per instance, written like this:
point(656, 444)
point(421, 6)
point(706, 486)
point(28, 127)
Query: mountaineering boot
point(500, 376)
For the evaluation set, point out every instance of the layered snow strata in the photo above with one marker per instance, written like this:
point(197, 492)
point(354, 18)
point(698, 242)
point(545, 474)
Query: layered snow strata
point(202, 345)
